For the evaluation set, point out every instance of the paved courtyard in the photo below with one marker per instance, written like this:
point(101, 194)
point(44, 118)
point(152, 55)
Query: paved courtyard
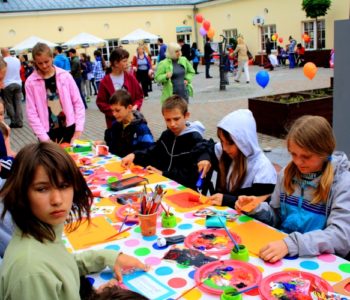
point(208, 105)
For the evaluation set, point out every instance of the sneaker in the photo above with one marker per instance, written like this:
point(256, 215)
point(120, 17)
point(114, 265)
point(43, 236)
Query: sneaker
point(146, 97)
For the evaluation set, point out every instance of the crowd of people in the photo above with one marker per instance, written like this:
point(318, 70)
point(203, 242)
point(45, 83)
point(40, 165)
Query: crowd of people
point(308, 199)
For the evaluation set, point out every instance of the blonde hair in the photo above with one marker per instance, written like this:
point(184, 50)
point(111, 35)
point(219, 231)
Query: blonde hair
point(171, 50)
point(240, 40)
point(315, 134)
point(239, 168)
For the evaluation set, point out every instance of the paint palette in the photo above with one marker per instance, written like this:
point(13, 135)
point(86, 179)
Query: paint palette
point(293, 285)
point(211, 241)
point(214, 277)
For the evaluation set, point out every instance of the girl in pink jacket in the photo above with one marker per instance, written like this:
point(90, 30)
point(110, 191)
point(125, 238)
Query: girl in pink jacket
point(55, 110)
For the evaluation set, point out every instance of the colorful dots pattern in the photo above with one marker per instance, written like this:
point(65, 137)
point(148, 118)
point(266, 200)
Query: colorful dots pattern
point(162, 271)
point(327, 258)
point(142, 251)
point(345, 268)
point(149, 238)
point(153, 261)
point(309, 265)
point(277, 264)
point(132, 243)
point(191, 274)
point(193, 295)
point(177, 282)
point(189, 215)
point(156, 247)
point(200, 222)
point(168, 231)
point(185, 226)
point(331, 276)
point(113, 247)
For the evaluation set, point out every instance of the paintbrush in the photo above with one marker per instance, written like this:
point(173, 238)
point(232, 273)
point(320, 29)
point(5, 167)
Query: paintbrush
point(120, 229)
point(229, 235)
point(192, 288)
point(243, 291)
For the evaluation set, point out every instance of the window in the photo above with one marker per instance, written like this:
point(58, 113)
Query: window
point(318, 37)
point(112, 44)
point(230, 33)
point(185, 36)
point(268, 30)
point(154, 50)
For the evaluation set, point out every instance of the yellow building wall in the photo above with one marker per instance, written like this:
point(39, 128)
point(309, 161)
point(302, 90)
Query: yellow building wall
point(224, 14)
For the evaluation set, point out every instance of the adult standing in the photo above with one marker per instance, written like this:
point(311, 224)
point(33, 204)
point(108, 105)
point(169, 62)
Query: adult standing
point(185, 49)
point(291, 52)
point(75, 70)
point(208, 53)
point(175, 73)
point(55, 110)
point(118, 78)
point(162, 49)
point(99, 68)
point(61, 60)
point(142, 65)
point(268, 48)
point(242, 52)
point(12, 92)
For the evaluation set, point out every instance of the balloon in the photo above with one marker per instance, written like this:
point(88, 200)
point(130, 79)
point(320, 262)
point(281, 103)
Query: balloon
point(273, 37)
point(276, 35)
point(202, 31)
point(206, 25)
point(306, 38)
point(280, 40)
point(310, 70)
point(211, 33)
point(199, 18)
point(262, 78)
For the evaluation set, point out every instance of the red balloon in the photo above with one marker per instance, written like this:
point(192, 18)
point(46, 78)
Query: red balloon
point(280, 40)
point(199, 18)
point(206, 25)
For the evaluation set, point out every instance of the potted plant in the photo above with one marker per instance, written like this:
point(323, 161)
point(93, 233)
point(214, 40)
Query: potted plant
point(274, 114)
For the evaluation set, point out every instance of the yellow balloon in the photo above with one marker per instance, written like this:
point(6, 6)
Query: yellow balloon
point(210, 33)
point(310, 70)
point(273, 38)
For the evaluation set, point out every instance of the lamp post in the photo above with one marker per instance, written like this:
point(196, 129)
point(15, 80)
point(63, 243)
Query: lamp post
point(222, 47)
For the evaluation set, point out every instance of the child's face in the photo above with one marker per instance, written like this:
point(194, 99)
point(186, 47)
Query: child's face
point(175, 120)
point(49, 204)
point(44, 63)
point(230, 148)
point(306, 161)
point(121, 113)
point(2, 112)
point(121, 65)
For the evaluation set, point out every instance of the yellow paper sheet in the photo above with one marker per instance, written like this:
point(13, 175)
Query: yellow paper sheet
point(86, 235)
point(255, 235)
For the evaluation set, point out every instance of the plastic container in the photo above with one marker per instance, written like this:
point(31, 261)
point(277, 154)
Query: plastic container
point(242, 254)
point(168, 221)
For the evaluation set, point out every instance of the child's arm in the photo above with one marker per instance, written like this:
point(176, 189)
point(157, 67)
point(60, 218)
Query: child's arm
point(144, 138)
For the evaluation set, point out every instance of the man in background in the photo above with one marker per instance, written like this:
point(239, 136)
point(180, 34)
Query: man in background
point(61, 60)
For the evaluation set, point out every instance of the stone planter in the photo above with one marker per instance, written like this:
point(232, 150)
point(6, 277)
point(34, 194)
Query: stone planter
point(275, 114)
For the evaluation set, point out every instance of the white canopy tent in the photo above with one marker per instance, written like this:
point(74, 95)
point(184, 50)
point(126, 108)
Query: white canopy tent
point(139, 35)
point(83, 40)
point(29, 43)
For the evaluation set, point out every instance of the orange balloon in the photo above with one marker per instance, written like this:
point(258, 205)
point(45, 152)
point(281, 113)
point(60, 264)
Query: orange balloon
point(310, 70)
point(306, 38)
point(211, 33)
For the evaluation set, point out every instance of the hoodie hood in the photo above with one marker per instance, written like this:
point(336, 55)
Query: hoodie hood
point(241, 125)
point(340, 164)
point(195, 126)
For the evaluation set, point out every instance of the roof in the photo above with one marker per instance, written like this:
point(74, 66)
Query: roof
point(12, 6)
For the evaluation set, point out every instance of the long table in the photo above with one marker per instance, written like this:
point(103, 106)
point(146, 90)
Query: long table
point(167, 279)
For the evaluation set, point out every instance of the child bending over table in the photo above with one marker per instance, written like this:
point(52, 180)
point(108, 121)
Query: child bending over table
point(179, 153)
point(311, 198)
point(129, 132)
point(243, 168)
point(42, 193)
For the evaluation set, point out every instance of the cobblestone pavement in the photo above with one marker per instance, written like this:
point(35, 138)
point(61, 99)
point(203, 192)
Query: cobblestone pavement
point(209, 104)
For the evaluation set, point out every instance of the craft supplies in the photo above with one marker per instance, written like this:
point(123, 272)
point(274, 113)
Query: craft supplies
point(82, 146)
point(230, 235)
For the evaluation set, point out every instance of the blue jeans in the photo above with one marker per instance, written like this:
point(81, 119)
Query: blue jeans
point(291, 58)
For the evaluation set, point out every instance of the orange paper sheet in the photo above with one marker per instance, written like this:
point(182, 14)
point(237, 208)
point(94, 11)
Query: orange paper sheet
point(175, 200)
point(86, 235)
point(255, 235)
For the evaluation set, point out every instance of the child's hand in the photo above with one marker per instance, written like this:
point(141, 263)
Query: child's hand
point(127, 160)
point(204, 166)
point(274, 251)
point(216, 199)
point(127, 262)
point(245, 203)
point(153, 170)
point(169, 74)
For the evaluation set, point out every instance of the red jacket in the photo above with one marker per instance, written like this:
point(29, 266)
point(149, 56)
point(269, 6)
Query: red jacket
point(106, 90)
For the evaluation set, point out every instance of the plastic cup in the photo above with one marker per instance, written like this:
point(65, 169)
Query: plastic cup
point(228, 294)
point(148, 224)
point(168, 221)
point(242, 254)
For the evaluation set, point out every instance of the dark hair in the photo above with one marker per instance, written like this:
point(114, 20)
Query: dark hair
point(58, 165)
point(160, 40)
point(194, 45)
point(97, 53)
point(181, 40)
point(174, 102)
point(121, 97)
point(59, 49)
point(116, 55)
point(84, 56)
point(115, 292)
point(72, 50)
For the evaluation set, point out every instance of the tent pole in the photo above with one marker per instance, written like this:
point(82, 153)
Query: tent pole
point(107, 48)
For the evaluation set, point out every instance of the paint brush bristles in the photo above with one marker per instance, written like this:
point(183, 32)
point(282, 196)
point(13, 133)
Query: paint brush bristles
point(229, 235)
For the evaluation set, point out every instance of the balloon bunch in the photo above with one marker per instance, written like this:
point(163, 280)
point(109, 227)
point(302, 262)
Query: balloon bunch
point(206, 28)
point(306, 38)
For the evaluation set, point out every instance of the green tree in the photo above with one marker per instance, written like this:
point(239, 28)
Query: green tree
point(315, 9)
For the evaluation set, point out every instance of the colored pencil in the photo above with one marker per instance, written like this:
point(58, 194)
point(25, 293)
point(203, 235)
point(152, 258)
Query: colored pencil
point(229, 234)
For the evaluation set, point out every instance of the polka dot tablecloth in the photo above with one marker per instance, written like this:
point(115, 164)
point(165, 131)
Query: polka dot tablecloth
point(181, 278)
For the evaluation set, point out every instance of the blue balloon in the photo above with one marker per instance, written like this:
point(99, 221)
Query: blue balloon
point(262, 78)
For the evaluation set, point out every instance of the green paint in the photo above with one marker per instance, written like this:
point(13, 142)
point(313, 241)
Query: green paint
point(345, 268)
point(142, 251)
point(245, 218)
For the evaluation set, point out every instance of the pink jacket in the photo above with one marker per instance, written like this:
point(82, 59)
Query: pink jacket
point(37, 107)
